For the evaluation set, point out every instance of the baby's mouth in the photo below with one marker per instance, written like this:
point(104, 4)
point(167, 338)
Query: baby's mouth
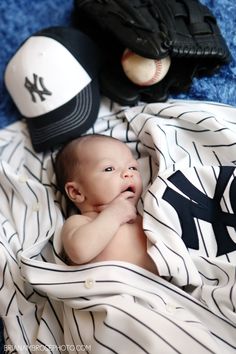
point(130, 188)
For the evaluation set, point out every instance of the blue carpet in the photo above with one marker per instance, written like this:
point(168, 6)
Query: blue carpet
point(21, 18)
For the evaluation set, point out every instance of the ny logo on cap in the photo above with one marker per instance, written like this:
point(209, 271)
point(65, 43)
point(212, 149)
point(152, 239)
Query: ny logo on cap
point(33, 88)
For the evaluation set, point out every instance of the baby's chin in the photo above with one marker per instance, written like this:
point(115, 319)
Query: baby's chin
point(133, 199)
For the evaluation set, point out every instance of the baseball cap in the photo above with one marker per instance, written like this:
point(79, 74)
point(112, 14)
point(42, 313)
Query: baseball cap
point(53, 80)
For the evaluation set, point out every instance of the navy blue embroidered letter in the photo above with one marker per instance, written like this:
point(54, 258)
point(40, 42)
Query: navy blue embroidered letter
point(33, 88)
point(200, 206)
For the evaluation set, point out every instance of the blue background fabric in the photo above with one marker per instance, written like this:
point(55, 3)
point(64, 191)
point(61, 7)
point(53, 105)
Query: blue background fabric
point(21, 18)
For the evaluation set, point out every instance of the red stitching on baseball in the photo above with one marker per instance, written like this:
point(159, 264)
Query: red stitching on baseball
point(153, 80)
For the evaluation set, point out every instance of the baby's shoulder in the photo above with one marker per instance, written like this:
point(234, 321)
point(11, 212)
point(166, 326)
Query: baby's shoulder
point(76, 220)
point(78, 217)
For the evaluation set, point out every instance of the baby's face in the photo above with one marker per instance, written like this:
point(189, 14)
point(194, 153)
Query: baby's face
point(108, 168)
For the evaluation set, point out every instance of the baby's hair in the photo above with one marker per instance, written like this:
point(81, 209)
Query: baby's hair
point(67, 161)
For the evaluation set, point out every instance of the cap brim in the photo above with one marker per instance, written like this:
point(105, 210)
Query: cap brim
point(66, 122)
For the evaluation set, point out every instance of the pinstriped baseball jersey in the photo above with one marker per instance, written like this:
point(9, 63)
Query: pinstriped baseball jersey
point(187, 155)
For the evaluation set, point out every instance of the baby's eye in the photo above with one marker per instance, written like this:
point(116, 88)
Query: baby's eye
point(133, 168)
point(109, 169)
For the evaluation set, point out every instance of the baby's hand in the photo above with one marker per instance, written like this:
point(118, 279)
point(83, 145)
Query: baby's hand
point(122, 209)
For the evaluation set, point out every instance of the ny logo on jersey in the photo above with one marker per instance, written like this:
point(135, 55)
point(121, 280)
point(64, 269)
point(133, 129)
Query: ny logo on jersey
point(200, 206)
point(33, 88)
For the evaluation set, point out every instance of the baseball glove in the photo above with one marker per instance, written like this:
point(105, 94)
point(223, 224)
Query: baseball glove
point(185, 30)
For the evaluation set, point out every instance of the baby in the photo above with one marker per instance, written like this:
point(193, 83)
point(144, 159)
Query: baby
point(100, 176)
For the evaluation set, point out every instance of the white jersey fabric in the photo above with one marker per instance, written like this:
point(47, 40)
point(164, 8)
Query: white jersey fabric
point(187, 154)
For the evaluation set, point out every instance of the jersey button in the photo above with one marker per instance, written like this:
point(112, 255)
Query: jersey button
point(89, 283)
point(170, 307)
point(22, 178)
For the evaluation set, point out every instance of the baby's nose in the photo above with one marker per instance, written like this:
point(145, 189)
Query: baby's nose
point(127, 173)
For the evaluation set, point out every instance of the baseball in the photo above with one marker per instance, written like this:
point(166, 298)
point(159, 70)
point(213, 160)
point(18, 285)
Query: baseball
point(144, 71)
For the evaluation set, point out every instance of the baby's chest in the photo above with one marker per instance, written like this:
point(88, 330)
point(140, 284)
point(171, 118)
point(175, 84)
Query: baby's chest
point(130, 235)
point(128, 244)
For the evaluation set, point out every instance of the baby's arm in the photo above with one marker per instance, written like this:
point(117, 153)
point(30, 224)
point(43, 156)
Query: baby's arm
point(84, 238)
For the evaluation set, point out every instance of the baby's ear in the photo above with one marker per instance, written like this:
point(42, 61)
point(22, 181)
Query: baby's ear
point(73, 191)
